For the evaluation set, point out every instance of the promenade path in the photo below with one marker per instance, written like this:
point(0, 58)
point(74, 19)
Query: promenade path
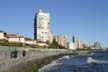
point(6, 62)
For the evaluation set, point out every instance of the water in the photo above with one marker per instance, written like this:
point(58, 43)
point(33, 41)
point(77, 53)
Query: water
point(97, 63)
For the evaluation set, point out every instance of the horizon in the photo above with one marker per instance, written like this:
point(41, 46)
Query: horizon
point(85, 19)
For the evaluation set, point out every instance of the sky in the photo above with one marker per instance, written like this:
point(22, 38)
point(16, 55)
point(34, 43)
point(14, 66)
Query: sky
point(86, 19)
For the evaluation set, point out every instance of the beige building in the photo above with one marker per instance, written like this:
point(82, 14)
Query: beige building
point(15, 38)
point(30, 41)
point(62, 40)
point(43, 44)
point(41, 26)
point(20, 39)
point(3, 35)
point(50, 37)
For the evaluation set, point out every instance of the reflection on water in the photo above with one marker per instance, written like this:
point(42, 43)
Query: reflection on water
point(80, 64)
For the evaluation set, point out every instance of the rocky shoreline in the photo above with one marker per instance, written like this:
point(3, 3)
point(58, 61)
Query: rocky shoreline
point(34, 65)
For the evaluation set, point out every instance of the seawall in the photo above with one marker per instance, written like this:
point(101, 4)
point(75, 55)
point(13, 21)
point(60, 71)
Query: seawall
point(33, 65)
point(34, 58)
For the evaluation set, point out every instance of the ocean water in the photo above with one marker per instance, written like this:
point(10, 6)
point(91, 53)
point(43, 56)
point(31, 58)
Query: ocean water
point(94, 62)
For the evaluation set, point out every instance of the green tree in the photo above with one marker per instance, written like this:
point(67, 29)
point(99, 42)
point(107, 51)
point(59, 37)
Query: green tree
point(48, 42)
point(36, 46)
point(54, 44)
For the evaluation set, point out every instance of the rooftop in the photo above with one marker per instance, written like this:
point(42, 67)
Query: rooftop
point(28, 39)
point(13, 36)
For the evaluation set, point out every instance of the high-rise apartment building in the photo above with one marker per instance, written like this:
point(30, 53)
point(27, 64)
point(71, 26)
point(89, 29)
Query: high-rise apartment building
point(80, 44)
point(41, 26)
point(97, 45)
point(62, 40)
point(76, 43)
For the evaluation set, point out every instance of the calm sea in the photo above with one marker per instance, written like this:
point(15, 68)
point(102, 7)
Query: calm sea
point(95, 62)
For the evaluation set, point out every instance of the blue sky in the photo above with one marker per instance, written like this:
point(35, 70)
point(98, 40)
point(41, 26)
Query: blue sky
point(87, 19)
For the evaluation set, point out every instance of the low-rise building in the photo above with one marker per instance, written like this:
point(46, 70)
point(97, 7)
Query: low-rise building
point(3, 36)
point(43, 44)
point(30, 41)
point(15, 38)
point(86, 44)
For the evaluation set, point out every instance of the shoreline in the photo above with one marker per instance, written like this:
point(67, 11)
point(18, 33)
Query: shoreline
point(35, 65)
point(34, 59)
point(53, 63)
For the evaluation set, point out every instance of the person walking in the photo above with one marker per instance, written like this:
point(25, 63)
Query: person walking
point(23, 53)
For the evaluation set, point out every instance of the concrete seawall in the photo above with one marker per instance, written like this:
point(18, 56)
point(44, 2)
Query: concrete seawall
point(8, 64)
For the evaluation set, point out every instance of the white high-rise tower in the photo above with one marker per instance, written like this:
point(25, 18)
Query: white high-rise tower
point(41, 26)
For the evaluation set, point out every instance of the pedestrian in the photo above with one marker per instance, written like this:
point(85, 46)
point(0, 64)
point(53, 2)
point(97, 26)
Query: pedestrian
point(23, 53)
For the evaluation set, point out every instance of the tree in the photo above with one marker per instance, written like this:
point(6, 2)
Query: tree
point(48, 42)
point(54, 44)
point(36, 46)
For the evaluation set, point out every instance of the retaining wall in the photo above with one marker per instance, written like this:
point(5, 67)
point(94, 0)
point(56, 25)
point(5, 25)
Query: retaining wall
point(6, 62)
